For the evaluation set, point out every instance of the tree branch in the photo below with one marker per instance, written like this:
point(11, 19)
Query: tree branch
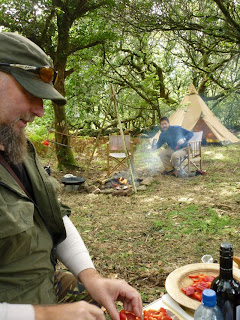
point(59, 4)
point(227, 14)
point(82, 8)
point(68, 72)
point(48, 20)
point(218, 101)
point(76, 46)
point(143, 96)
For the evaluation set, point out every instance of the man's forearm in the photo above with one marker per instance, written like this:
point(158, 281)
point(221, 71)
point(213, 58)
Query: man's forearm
point(188, 134)
point(88, 276)
point(159, 144)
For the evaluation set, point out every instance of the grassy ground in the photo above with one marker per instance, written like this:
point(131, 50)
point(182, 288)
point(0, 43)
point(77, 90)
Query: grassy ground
point(142, 238)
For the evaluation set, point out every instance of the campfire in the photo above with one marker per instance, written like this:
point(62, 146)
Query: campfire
point(122, 183)
point(119, 184)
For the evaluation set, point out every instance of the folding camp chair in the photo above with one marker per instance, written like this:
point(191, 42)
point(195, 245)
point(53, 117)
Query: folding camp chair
point(194, 152)
point(115, 152)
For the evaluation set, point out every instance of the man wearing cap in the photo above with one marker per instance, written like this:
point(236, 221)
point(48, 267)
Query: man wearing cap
point(35, 228)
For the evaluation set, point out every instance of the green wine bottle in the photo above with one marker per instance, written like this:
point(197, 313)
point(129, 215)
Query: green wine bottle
point(226, 287)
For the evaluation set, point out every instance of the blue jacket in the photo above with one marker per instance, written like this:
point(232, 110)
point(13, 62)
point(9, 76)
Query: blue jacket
point(172, 135)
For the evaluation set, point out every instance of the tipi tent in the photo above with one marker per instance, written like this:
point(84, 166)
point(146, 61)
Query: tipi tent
point(194, 115)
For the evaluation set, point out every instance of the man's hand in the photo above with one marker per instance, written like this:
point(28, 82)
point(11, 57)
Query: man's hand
point(77, 311)
point(181, 141)
point(107, 291)
point(154, 147)
point(154, 144)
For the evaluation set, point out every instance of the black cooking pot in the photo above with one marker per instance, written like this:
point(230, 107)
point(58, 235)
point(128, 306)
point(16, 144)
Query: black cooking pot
point(73, 180)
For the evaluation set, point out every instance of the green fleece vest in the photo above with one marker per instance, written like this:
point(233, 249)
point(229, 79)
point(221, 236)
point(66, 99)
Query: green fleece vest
point(29, 232)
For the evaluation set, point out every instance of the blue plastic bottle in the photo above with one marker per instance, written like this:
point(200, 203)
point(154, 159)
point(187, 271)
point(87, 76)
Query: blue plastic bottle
point(208, 310)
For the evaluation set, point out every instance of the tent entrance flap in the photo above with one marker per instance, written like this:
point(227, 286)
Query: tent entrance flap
point(208, 135)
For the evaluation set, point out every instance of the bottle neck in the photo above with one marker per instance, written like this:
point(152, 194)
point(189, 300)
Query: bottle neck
point(226, 268)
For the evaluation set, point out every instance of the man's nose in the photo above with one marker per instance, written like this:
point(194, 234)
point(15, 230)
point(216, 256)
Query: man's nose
point(37, 107)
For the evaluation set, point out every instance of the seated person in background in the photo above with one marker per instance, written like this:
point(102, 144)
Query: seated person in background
point(176, 138)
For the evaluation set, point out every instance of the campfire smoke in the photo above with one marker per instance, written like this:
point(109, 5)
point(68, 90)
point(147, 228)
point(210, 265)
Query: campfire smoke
point(148, 159)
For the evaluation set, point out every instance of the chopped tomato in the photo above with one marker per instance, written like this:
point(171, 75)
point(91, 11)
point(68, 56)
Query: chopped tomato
point(210, 278)
point(188, 290)
point(199, 283)
point(202, 286)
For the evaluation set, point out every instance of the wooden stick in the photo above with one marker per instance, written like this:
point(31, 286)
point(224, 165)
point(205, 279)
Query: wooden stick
point(63, 134)
point(97, 141)
point(61, 144)
point(129, 162)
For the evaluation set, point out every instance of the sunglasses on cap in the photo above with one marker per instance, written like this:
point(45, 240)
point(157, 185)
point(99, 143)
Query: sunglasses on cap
point(46, 73)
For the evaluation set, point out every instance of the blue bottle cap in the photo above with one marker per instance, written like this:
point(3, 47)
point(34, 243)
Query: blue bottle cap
point(209, 298)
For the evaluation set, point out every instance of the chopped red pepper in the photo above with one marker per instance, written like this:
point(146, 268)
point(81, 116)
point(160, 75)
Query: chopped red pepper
point(195, 276)
point(160, 314)
point(197, 296)
point(127, 315)
point(200, 283)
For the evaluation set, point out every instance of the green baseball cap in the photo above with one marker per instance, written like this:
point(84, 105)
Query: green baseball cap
point(16, 49)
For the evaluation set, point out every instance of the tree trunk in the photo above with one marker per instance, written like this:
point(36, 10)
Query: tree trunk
point(63, 150)
point(153, 117)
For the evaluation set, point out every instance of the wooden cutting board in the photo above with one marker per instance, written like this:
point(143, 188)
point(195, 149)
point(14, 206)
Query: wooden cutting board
point(173, 309)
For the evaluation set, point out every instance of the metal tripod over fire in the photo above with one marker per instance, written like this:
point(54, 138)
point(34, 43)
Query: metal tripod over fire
point(128, 157)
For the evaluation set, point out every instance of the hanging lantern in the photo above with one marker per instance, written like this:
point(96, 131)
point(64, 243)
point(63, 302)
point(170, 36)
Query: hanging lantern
point(76, 111)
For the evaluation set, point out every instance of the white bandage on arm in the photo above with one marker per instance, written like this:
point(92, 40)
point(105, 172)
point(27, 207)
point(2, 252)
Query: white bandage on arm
point(16, 311)
point(72, 252)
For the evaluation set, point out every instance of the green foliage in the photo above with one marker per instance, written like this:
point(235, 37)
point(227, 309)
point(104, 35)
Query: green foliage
point(37, 131)
point(37, 135)
point(151, 51)
point(228, 111)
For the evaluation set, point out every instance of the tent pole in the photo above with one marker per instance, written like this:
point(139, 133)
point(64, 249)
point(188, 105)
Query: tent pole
point(129, 162)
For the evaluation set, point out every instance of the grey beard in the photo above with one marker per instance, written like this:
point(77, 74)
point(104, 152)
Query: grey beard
point(14, 144)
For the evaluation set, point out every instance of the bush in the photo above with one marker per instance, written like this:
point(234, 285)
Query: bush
point(37, 135)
